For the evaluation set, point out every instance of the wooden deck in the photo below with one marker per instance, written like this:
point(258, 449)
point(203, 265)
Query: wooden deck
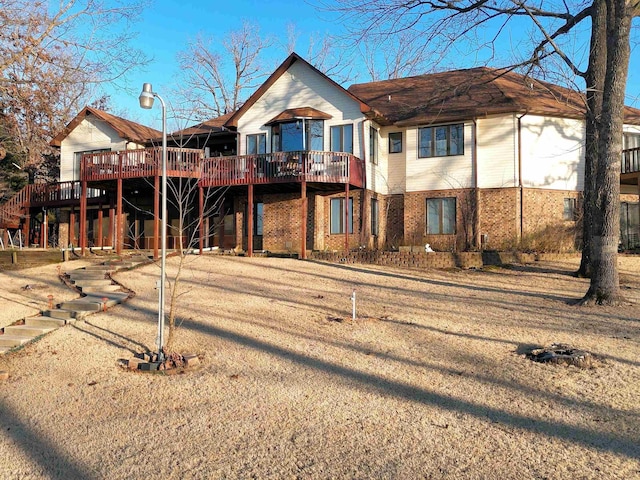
point(271, 168)
point(147, 162)
point(284, 167)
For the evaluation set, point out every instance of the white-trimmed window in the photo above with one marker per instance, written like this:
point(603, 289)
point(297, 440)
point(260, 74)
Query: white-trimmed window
point(342, 138)
point(441, 216)
point(256, 144)
point(337, 216)
point(441, 141)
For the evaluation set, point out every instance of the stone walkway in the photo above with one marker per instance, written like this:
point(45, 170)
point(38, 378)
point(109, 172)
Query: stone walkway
point(99, 292)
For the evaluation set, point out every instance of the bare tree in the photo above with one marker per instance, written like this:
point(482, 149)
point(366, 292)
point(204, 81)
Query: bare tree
point(397, 56)
point(325, 52)
point(445, 24)
point(52, 56)
point(217, 76)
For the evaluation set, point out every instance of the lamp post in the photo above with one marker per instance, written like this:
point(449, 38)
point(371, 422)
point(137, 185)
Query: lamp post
point(146, 101)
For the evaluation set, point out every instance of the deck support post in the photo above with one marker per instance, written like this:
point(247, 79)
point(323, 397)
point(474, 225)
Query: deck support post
point(201, 218)
point(26, 229)
point(100, 217)
point(112, 224)
point(119, 223)
point(83, 217)
point(346, 218)
point(156, 215)
point(44, 229)
point(303, 224)
point(250, 221)
point(72, 227)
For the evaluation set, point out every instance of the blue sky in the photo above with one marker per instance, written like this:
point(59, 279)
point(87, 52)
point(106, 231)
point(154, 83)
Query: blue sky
point(167, 26)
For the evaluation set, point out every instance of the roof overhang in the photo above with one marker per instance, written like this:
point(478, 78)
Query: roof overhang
point(299, 113)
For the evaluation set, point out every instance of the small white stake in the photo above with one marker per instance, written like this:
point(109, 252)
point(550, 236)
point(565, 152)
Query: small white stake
point(353, 302)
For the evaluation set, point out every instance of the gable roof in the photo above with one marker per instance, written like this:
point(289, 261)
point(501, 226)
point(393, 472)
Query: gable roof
point(469, 93)
point(284, 66)
point(127, 129)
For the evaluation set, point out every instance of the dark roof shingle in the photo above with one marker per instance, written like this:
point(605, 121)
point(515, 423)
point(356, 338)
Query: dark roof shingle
point(127, 129)
point(469, 93)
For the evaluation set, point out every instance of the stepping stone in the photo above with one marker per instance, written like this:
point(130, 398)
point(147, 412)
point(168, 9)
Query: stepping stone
point(86, 275)
point(59, 314)
point(97, 268)
point(13, 340)
point(100, 289)
point(80, 305)
point(25, 330)
point(92, 283)
point(45, 322)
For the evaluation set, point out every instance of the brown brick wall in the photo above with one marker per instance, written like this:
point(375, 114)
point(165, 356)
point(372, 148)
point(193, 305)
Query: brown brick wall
point(499, 216)
point(402, 221)
point(415, 220)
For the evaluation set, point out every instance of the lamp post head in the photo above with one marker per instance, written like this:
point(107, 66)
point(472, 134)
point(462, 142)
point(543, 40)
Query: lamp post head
point(146, 97)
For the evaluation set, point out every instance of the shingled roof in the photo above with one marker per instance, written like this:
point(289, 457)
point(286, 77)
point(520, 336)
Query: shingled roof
point(214, 125)
point(469, 93)
point(132, 131)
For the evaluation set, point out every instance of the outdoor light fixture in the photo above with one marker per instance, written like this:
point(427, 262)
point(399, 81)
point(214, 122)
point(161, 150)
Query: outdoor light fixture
point(146, 101)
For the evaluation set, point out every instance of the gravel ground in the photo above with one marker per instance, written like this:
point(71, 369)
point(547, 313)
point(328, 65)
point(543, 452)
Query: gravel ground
point(429, 380)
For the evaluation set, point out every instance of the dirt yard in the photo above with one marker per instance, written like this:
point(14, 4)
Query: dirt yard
point(429, 381)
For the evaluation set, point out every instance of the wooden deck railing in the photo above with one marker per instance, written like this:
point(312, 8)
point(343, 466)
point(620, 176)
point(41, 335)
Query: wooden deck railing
point(283, 167)
point(43, 195)
point(631, 160)
point(147, 162)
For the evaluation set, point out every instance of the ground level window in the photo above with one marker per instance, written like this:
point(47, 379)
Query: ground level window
point(374, 216)
point(570, 211)
point(337, 216)
point(441, 216)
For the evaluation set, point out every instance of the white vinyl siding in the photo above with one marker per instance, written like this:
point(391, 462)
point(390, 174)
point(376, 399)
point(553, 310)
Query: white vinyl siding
point(552, 153)
point(438, 173)
point(301, 87)
point(90, 134)
point(497, 152)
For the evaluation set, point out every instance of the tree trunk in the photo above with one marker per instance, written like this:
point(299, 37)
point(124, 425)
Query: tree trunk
point(595, 85)
point(605, 283)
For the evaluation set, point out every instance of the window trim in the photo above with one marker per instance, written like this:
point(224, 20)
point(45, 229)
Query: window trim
point(441, 225)
point(341, 129)
point(391, 150)
point(257, 137)
point(432, 129)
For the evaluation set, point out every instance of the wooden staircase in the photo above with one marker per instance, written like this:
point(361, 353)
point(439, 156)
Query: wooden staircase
point(14, 210)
